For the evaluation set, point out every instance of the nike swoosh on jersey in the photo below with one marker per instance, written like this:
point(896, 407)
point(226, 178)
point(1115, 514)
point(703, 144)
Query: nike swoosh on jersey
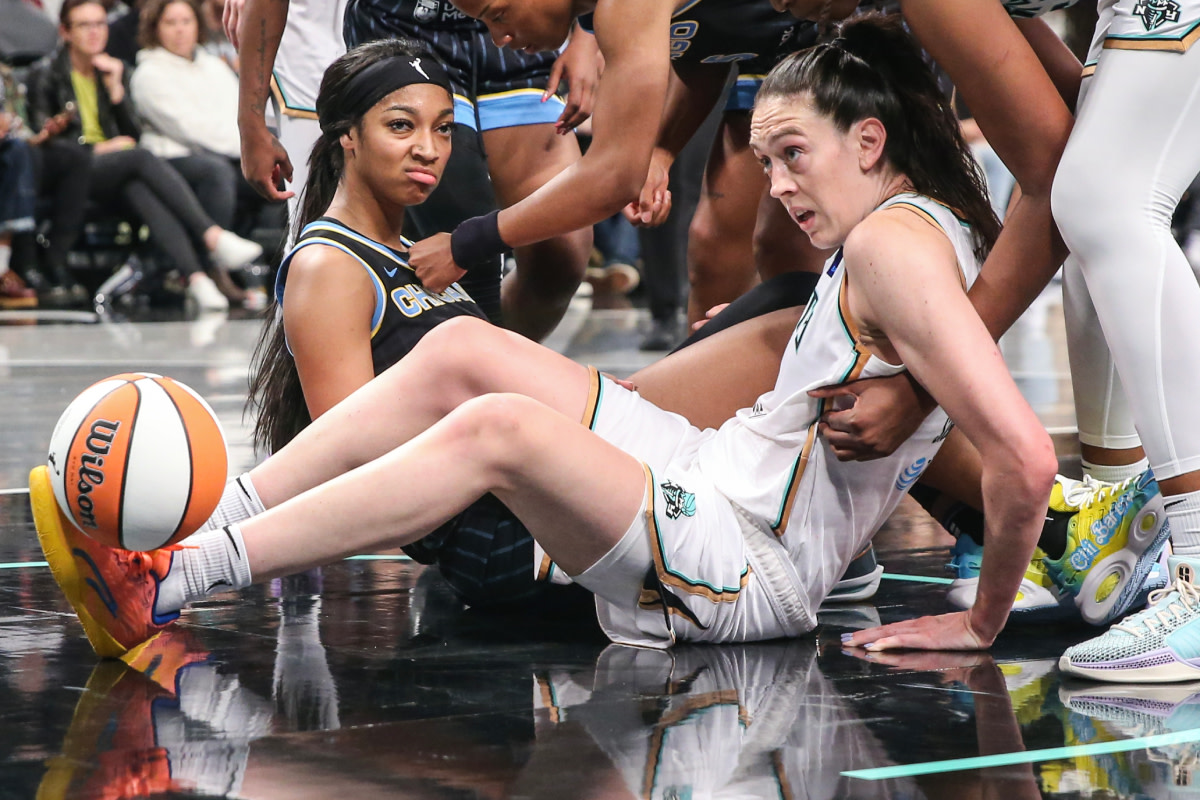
point(391, 273)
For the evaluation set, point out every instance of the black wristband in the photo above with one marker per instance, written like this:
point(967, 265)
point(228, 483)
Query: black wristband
point(477, 240)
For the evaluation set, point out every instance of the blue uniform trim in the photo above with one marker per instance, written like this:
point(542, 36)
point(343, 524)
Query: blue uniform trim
point(380, 295)
point(741, 96)
point(509, 109)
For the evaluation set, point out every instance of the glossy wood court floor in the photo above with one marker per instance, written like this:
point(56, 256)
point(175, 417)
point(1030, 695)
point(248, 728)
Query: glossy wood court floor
point(366, 680)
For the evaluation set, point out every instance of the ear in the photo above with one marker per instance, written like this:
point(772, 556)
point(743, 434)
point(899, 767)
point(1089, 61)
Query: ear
point(346, 140)
point(870, 137)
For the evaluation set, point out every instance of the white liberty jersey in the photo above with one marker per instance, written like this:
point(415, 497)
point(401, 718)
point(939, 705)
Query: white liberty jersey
point(312, 40)
point(768, 460)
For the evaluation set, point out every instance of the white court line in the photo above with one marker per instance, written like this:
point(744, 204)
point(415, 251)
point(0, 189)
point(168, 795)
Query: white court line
point(14, 491)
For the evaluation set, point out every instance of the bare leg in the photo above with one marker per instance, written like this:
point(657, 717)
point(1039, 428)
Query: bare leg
point(459, 360)
point(713, 378)
point(720, 240)
point(535, 296)
point(576, 493)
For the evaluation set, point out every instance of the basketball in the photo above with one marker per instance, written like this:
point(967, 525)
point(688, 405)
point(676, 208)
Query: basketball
point(138, 461)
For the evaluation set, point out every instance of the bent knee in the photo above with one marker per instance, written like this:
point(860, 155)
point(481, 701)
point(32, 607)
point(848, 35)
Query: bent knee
point(497, 432)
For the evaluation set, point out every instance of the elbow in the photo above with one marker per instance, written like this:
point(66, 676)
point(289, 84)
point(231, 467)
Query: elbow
point(1031, 467)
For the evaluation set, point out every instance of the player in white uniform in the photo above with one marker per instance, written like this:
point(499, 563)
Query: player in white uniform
point(675, 542)
point(1133, 300)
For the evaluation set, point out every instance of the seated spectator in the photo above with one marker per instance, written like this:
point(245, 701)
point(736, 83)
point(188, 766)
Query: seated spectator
point(79, 72)
point(33, 164)
point(187, 103)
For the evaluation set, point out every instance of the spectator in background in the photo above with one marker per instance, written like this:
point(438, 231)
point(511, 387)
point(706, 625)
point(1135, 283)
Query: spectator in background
point(18, 195)
point(187, 100)
point(81, 73)
point(56, 169)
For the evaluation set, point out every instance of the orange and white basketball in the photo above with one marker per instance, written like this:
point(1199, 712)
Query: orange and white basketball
point(138, 461)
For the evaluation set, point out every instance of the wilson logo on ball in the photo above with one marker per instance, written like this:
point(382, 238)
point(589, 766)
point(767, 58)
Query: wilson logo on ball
point(91, 468)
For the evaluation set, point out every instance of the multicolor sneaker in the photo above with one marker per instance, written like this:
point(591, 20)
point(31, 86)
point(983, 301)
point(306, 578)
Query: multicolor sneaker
point(1037, 598)
point(1113, 541)
point(860, 581)
point(1158, 645)
point(113, 591)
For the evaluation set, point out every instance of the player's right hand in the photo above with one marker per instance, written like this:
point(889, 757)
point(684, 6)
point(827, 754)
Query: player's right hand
point(265, 163)
point(231, 18)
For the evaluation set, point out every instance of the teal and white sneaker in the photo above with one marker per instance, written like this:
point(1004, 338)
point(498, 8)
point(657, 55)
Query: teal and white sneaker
point(1037, 600)
point(1158, 645)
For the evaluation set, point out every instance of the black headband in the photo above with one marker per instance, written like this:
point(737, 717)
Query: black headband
point(382, 78)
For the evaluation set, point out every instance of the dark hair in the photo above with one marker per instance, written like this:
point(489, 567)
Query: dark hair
point(64, 12)
point(275, 390)
point(874, 68)
point(151, 14)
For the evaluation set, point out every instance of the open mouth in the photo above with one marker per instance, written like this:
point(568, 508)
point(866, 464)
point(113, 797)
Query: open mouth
point(804, 216)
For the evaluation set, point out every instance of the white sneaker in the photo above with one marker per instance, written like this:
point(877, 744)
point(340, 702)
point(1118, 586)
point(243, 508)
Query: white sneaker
point(255, 299)
point(204, 294)
point(232, 251)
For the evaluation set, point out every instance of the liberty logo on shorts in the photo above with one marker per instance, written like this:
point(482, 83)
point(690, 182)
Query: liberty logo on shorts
point(679, 500)
point(1155, 13)
point(425, 10)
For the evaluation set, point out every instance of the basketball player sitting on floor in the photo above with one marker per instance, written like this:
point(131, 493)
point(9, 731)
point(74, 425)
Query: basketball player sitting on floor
point(734, 534)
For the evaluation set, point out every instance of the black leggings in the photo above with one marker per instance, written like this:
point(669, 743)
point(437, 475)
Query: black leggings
point(159, 197)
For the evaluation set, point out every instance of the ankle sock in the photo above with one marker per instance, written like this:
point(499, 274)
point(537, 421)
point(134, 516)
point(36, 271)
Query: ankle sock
point(213, 561)
point(1115, 474)
point(240, 502)
point(1183, 512)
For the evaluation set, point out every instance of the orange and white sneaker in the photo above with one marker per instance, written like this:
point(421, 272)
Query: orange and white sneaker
point(113, 591)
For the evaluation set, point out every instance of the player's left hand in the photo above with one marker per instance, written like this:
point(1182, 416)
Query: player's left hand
point(434, 263)
point(580, 65)
point(884, 412)
point(943, 632)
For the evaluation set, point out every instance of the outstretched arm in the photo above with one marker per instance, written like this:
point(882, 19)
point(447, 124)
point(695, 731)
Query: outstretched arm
point(899, 269)
point(258, 30)
point(633, 36)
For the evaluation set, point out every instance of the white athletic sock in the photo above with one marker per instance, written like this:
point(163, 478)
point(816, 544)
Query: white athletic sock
point(1115, 474)
point(1183, 512)
point(213, 561)
point(240, 502)
point(5, 257)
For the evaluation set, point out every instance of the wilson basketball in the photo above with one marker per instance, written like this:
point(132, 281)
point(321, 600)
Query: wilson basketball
point(138, 461)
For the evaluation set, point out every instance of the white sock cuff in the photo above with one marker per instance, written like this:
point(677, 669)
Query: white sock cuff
point(1117, 473)
point(239, 502)
point(1183, 512)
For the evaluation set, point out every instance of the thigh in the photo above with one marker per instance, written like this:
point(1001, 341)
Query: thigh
point(523, 158)
point(733, 184)
point(709, 381)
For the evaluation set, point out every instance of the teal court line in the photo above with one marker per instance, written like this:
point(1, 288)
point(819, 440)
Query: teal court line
point(1025, 756)
point(917, 578)
point(20, 564)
